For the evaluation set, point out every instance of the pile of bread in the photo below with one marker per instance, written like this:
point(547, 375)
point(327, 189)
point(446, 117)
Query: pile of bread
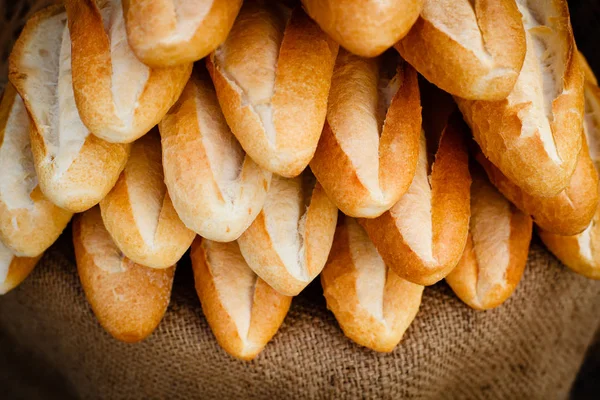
point(248, 154)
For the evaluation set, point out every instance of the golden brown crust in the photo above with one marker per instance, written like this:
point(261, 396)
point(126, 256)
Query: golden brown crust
point(128, 299)
point(267, 308)
point(482, 60)
point(397, 300)
point(138, 212)
point(450, 210)
point(215, 187)
point(366, 28)
point(93, 62)
point(496, 252)
point(15, 268)
point(29, 222)
point(275, 103)
point(587, 70)
point(97, 165)
point(534, 136)
point(567, 213)
point(289, 260)
point(353, 129)
point(158, 39)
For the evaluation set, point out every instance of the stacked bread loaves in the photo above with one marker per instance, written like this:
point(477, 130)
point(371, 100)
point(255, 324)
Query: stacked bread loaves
point(292, 113)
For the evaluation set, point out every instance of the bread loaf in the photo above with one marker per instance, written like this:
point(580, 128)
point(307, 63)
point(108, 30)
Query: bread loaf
point(215, 187)
point(368, 151)
point(373, 306)
point(13, 269)
point(581, 252)
point(288, 243)
point(163, 33)
point(496, 252)
point(422, 237)
point(29, 222)
point(138, 212)
point(567, 213)
point(272, 77)
point(128, 299)
point(534, 135)
point(75, 169)
point(366, 28)
point(470, 48)
point(243, 312)
point(118, 97)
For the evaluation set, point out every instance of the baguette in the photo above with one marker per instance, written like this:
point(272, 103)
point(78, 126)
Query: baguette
point(215, 187)
point(366, 28)
point(422, 237)
point(368, 151)
point(118, 97)
point(164, 33)
point(13, 269)
point(470, 48)
point(29, 222)
point(534, 135)
point(588, 74)
point(128, 299)
point(567, 213)
point(288, 243)
point(138, 212)
point(75, 169)
point(373, 306)
point(272, 77)
point(243, 312)
point(496, 252)
point(581, 252)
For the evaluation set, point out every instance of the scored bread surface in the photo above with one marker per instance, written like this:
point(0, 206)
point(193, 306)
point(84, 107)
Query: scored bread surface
point(13, 269)
point(272, 77)
point(496, 252)
point(75, 169)
point(138, 212)
point(373, 306)
point(288, 243)
point(119, 98)
point(163, 33)
point(128, 299)
point(215, 187)
point(534, 135)
point(367, 153)
point(243, 312)
point(470, 48)
point(29, 222)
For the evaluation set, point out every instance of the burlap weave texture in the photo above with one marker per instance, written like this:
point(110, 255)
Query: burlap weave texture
point(529, 348)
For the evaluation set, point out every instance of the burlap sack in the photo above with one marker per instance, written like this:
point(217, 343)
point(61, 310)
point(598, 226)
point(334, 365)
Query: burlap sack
point(52, 347)
point(531, 347)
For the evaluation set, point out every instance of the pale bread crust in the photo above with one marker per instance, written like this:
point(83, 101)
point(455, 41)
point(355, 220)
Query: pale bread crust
point(92, 66)
point(193, 183)
point(498, 127)
point(144, 173)
point(97, 166)
point(401, 299)
point(27, 232)
point(570, 249)
point(451, 65)
point(316, 228)
point(366, 28)
point(129, 300)
point(268, 308)
point(466, 278)
point(567, 213)
point(398, 145)
point(151, 25)
point(18, 270)
point(298, 101)
point(450, 211)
